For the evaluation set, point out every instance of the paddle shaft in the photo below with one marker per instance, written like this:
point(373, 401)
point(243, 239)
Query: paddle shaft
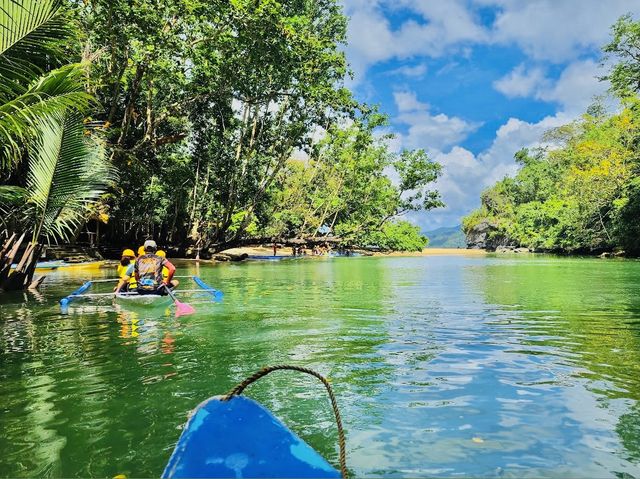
point(217, 294)
point(171, 293)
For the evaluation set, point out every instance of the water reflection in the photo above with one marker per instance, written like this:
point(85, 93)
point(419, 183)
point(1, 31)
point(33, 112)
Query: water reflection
point(576, 321)
point(442, 366)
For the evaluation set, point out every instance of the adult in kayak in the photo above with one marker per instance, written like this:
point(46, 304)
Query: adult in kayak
point(147, 271)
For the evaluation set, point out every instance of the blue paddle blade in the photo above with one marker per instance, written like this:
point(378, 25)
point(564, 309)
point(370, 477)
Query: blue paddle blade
point(241, 438)
point(64, 302)
point(217, 294)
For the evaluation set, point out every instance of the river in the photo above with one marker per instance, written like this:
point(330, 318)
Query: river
point(442, 366)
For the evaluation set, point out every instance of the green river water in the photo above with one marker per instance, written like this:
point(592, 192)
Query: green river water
point(442, 366)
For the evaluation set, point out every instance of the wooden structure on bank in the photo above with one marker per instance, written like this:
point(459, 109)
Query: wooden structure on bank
point(21, 277)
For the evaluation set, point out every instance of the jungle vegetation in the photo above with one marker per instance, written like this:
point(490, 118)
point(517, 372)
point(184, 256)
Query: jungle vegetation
point(199, 123)
point(581, 194)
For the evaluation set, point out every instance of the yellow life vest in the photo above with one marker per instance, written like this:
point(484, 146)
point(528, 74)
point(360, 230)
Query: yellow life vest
point(122, 273)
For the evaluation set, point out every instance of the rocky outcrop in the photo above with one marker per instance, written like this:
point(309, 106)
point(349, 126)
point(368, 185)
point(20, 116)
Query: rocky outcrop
point(485, 235)
point(512, 249)
point(230, 256)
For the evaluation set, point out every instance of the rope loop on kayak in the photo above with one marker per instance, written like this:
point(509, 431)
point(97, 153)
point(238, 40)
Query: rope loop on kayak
point(237, 391)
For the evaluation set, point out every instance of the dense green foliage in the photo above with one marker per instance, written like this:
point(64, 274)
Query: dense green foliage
point(52, 168)
point(581, 194)
point(344, 188)
point(201, 106)
point(624, 49)
point(205, 104)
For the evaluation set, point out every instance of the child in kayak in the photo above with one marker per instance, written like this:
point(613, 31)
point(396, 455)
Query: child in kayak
point(125, 262)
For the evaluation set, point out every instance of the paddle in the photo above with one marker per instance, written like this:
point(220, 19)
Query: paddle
point(182, 309)
point(217, 294)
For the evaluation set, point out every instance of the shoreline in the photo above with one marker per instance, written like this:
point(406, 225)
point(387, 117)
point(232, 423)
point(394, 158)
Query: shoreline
point(288, 251)
point(437, 252)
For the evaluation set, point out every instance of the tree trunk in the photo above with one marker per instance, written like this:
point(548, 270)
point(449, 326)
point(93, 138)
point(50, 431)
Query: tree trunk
point(22, 277)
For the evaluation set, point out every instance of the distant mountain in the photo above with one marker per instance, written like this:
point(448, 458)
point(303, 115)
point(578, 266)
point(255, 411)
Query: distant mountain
point(447, 237)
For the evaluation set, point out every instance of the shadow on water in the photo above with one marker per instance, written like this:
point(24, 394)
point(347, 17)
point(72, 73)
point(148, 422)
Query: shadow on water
point(442, 366)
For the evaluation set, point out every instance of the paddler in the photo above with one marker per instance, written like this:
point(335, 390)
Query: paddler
point(165, 270)
point(147, 270)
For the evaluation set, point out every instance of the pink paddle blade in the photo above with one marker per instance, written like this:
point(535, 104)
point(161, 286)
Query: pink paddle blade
point(183, 309)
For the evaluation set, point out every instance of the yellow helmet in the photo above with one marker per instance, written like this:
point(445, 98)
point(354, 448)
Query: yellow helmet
point(141, 251)
point(128, 252)
point(161, 253)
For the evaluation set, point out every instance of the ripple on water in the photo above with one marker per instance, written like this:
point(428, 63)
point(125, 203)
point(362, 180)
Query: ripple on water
point(442, 367)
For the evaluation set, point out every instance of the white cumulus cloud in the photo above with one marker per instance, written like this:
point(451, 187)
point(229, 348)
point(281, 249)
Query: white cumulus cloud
point(555, 30)
point(573, 91)
point(520, 82)
point(425, 130)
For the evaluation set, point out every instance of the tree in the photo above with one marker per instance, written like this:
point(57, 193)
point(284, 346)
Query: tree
point(345, 188)
point(272, 77)
point(625, 48)
point(40, 121)
point(67, 172)
point(34, 35)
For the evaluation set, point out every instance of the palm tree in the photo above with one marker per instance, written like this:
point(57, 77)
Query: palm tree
point(34, 80)
point(41, 106)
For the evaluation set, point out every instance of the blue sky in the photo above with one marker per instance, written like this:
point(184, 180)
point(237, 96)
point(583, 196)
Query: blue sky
point(473, 81)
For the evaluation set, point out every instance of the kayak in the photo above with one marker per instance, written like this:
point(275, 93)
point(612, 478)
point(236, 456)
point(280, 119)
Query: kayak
point(85, 265)
point(143, 300)
point(241, 438)
point(44, 265)
point(133, 299)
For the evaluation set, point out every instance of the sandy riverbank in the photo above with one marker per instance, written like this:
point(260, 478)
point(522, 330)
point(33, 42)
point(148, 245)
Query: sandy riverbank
point(286, 251)
point(438, 252)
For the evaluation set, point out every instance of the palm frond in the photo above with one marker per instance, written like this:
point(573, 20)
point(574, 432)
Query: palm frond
point(53, 94)
point(33, 37)
point(11, 198)
point(68, 171)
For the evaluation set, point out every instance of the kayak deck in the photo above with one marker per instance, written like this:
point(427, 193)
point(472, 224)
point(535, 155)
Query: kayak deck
point(146, 300)
point(241, 438)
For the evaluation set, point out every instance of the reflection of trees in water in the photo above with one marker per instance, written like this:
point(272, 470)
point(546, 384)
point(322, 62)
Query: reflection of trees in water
point(79, 393)
point(318, 313)
point(585, 311)
point(628, 429)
